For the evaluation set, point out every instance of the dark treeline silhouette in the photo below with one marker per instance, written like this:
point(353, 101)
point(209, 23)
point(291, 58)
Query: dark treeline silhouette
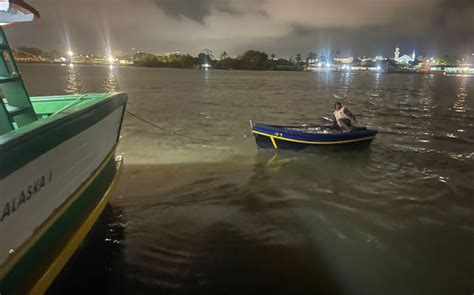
point(25, 51)
point(169, 61)
point(250, 60)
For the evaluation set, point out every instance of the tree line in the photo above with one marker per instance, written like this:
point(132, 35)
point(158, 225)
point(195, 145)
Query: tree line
point(26, 52)
point(250, 60)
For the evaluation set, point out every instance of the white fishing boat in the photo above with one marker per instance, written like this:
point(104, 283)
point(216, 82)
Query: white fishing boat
point(57, 169)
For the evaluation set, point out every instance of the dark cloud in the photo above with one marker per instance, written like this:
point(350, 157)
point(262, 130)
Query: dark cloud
point(196, 10)
point(282, 27)
point(455, 13)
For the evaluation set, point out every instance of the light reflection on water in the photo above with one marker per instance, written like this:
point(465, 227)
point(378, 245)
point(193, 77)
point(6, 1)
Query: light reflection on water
point(75, 84)
point(72, 83)
point(111, 82)
point(460, 100)
point(218, 217)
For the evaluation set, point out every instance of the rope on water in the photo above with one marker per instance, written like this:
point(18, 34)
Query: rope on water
point(164, 129)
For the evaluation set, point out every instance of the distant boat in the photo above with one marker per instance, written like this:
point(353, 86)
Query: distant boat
point(458, 75)
point(301, 137)
point(319, 67)
point(57, 170)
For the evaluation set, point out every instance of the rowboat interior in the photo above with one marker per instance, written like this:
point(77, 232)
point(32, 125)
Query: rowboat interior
point(329, 129)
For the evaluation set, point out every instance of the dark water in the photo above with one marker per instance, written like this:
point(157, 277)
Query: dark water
point(199, 210)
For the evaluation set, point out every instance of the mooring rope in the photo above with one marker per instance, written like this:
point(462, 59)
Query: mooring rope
point(164, 129)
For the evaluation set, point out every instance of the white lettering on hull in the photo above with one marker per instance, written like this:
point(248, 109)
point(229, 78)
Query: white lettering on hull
point(14, 204)
point(72, 163)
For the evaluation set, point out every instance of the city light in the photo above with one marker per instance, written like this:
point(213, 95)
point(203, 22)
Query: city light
point(407, 64)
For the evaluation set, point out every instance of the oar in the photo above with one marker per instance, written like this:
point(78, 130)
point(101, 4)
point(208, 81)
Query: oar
point(357, 116)
point(331, 120)
point(327, 119)
point(380, 131)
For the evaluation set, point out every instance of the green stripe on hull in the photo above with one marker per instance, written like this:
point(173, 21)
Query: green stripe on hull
point(21, 278)
point(19, 147)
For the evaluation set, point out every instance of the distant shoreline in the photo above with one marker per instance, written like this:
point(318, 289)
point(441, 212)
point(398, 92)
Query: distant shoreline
point(159, 67)
point(218, 69)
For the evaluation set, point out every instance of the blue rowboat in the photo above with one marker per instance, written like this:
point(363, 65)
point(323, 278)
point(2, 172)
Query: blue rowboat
point(301, 137)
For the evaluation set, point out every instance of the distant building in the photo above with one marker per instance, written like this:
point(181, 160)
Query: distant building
point(177, 52)
point(452, 69)
point(344, 60)
point(404, 59)
point(396, 54)
point(125, 62)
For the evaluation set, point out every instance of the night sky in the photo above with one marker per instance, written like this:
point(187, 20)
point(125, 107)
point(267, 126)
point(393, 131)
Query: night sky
point(355, 27)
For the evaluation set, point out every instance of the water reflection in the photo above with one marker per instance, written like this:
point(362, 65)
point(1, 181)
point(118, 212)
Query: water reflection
point(377, 78)
point(410, 89)
point(206, 91)
point(459, 102)
point(111, 82)
point(377, 92)
point(270, 163)
point(72, 84)
point(426, 93)
point(100, 253)
point(345, 82)
point(206, 76)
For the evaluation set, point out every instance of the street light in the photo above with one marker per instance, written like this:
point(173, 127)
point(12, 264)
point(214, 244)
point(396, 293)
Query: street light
point(70, 53)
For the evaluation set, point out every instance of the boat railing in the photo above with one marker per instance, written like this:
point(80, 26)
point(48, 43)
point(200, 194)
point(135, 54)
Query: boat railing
point(16, 109)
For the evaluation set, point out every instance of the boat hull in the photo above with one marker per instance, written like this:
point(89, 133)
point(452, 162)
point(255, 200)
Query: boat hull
point(295, 138)
point(265, 142)
point(54, 184)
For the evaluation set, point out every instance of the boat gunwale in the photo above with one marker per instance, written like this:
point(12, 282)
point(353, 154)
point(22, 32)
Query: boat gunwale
point(280, 132)
point(17, 136)
point(16, 149)
point(90, 95)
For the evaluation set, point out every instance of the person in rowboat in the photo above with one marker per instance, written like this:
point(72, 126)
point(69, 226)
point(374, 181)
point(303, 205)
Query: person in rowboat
point(343, 117)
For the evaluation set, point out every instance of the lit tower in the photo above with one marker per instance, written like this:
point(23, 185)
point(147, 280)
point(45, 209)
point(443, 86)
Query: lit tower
point(396, 53)
point(413, 56)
